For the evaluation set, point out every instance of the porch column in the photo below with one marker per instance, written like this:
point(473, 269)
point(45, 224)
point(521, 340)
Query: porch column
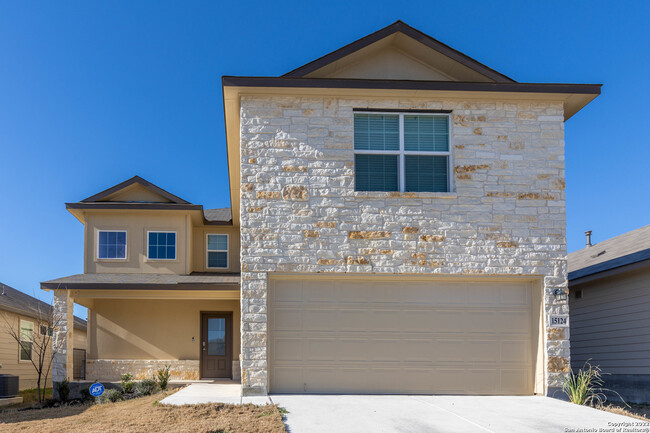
point(62, 340)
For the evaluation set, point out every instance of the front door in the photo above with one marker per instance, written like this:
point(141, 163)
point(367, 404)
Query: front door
point(216, 345)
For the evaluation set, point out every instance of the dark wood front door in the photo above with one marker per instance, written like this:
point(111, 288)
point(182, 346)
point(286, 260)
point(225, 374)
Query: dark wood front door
point(216, 345)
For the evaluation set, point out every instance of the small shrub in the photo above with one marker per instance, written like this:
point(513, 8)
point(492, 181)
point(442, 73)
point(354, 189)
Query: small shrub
point(147, 386)
point(163, 377)
point(111, 395)
point(127, 383)
point(63, 388)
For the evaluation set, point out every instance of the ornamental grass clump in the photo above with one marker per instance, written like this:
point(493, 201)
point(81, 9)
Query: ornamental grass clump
point(586, 387)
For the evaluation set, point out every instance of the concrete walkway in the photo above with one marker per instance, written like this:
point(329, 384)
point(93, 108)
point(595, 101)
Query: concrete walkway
point(212, 392)
point(453, 414)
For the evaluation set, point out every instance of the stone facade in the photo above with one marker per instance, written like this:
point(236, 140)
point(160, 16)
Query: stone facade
point(300, 213)
point(113, 369)
point(63, 320)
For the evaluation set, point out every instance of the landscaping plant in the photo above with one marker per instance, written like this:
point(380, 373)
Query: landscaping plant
point(147, 386)
point(127, 383)
point(111, 395)
point(63, 388)
point(163, 377)
point(586, 387)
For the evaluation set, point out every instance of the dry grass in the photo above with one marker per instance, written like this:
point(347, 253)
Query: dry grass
point(640, 411)
point(146, 415)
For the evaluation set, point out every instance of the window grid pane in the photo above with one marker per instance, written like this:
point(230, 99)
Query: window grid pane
point(376, 172)
point(426, 133)
point(162, 245)
point(111, 245)
point(217, 259)
point(425, 173)
point(217, 242)
point(376, 132)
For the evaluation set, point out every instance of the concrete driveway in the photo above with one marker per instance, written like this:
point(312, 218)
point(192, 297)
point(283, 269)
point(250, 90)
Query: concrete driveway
point(392, 414)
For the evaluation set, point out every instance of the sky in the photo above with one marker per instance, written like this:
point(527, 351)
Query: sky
point(93, 93)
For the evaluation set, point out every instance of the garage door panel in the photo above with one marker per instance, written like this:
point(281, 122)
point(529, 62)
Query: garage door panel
point(321, 349)
point(400, 337)
point(287, 349)
point(417, 350)
point(484, 380)
point(511, 380)
point(384, 349)
point(385, 320)
point(287, 319)
point(352, 349)
point(447, 321)
point(515, 351)
point(290, 378)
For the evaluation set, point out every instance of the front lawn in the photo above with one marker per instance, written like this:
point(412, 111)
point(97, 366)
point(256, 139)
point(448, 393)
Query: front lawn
point(145, 414)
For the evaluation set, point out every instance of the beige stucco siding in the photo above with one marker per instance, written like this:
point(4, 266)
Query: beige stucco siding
point(610, 324)
point(199, 248)
point(137, 224)
point(153, 329)
point(79, 338)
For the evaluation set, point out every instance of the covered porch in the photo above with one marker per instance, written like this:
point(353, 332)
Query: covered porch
point(139, 323)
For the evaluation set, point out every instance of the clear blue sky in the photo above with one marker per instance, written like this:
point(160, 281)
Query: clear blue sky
point(92, 93)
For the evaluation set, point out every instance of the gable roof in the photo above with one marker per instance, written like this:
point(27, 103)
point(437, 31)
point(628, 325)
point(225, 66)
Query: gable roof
point(622, 250)
point(104, 195)
point(110, 199)
point(403, 28)
point(18, 302)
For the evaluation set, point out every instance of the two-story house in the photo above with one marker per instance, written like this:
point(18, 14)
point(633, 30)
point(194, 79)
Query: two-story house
point(398, 227)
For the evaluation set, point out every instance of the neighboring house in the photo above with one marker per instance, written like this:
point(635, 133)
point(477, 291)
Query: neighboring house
point(609, 285)
point(21, 311)
point(401, 213)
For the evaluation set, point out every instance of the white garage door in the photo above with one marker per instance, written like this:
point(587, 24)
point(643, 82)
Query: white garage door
point(354, 336)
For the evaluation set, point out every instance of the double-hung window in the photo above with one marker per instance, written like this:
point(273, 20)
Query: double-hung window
point(217, 251)
point(161, 245)
point(407, 152)
point(111, 244)
point(26, 340)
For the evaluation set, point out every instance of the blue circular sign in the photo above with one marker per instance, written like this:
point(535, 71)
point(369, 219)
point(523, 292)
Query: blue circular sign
point(96, 389)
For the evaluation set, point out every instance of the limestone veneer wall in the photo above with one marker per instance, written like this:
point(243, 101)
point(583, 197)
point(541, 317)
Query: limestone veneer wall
point(300, 213)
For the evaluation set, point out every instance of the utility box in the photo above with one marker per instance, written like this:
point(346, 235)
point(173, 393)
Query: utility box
point(8, 385)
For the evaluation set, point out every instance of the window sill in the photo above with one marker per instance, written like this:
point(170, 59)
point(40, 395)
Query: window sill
point(147, 260)
point(97, 260)
point(397, 194)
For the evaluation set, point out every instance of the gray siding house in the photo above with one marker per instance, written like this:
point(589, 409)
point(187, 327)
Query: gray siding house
point(609, 307)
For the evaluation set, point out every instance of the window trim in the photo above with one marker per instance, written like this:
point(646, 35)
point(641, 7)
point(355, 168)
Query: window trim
point(401, 153)
point(175, 246)
point(20, 344)
point(208, 250)
point(126, 245)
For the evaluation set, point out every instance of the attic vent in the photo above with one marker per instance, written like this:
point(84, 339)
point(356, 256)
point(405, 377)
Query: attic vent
point(599, 254)
point(578, 294)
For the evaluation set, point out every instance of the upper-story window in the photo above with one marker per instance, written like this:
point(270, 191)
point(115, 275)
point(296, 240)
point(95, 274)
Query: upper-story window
point(111, 244)
point(161, 245)
point(407, 152)
point(217, 252)
point(26, 340)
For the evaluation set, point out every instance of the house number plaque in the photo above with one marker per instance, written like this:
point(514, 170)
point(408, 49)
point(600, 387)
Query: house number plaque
point(558, 321)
